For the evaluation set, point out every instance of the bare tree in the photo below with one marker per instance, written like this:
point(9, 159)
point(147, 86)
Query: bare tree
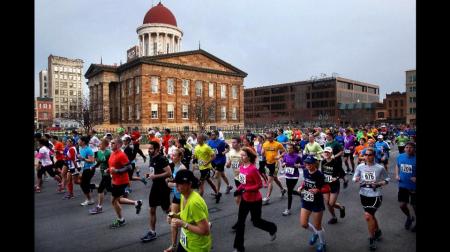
point(203, 111)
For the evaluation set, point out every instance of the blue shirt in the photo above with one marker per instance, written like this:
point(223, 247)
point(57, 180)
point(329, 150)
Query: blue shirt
point(282, 139)
point(303, 143)
point(340, 139)
point(406, 169)
point(383, 147)
point(85, 152)
point(218, 147)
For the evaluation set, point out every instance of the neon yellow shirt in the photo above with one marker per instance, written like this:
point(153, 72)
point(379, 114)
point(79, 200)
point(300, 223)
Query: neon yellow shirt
point(195, 211)
point(203, 154)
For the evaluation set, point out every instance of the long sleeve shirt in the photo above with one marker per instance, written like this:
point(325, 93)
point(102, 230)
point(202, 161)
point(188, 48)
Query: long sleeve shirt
point(250, 182)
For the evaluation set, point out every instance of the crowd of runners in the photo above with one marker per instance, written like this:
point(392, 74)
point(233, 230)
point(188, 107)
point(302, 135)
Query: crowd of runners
point(313, 162)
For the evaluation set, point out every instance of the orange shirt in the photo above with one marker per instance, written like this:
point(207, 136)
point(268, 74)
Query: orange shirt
point(118, 160)
point(58, 147)
point(271, 151)
point(359, 149)
point(154, 139)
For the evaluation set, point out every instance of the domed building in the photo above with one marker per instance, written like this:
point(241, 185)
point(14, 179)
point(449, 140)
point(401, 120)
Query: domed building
point(162, 86)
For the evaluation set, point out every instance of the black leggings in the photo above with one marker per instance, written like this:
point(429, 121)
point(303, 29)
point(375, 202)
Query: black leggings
point(290, 183)
point(139, 151)
point(180, 248)
point(255, 210)
point(86, 177)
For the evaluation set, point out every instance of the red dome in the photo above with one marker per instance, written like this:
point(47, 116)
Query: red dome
point(160, 14)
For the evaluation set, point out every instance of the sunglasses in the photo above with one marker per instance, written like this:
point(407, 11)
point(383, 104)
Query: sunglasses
point(113, 142)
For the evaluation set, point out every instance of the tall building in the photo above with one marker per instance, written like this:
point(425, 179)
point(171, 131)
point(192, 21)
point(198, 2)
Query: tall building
point(395, 104)
point(332, 100)
point(65, 78)
point(160, 86)
point(44, 89)
point(411, 97)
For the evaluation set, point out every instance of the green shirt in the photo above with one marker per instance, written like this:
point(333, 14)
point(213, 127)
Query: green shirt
point(313, 149)
point(102, 158)
point(195, 211)
point(401, 141)
point(203, 154)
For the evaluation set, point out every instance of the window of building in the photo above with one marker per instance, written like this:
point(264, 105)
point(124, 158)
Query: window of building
point(223, 91)
point(380, 114)
point(138, 111)
point(170, 86)
point(170, 111)
point(198, 88)
point(223, 113)
point(57, 107)
point(130, 89)
point(185, 87)
point(167, 48)
point(211, 90)
point(79, 93)
point(130, 112)
point(123, 113)
point(390, 104)
point(401, 112)
point(185, 112)
point(401, 103)
point(154, 111)
point(234, 92)
point(137, 82)
point(395, 103)
point(45, 90)
point(155, 84)
point(234, 113)
point(390, 113)
point(55, 68)
point(395, 113)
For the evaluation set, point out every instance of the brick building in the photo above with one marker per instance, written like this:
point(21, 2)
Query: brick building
point(44, 112)
point(325, 101)
point(164, 87)
point(411, 97)
point(395, 104)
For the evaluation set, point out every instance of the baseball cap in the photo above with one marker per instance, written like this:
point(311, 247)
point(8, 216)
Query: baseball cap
point(380, 136)
point(328, 149)
point(186, 176)
point(309, 160)
point(401, 133)
point(151, 132)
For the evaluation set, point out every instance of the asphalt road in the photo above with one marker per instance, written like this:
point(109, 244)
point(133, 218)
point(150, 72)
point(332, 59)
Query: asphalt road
point(64, 225)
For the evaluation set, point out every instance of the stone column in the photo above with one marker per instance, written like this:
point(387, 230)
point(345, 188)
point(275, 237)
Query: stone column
point(105, 105)
point(172, 43)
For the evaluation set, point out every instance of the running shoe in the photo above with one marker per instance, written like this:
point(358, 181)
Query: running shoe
point(138, 206)
point(333, 220)
point(150, 236)
point(322, 247)
point(266, 200)
point(87, 202)
point(218, 197)
point(96, 210)
point(229, 188)
point(273, 236)
point(283, 192)
point(286, 212)
point(144, 180)
point(409, 222)
point(117, 223)
point(345, 184)
point(413, 229)
point(372, 245)
point(313, 239)
point(342, 212)
point(37, 189)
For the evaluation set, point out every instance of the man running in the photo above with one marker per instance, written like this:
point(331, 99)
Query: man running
point(405, 174)
point(220, 148)
point(102, 159)
point(401, 141)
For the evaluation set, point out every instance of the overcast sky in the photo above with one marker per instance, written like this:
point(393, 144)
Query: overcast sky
point(372, 41)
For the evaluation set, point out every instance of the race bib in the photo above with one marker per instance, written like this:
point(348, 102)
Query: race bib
point(346, 151)
point(369, 176)
point(183, 238)
point(201, 162)
point(289, 170)
point(242, 178)
point(328, 178)
point(234, 164)
point(308, 196)
point(260, 158)
point(401, 144)
point(215, 151)
point(406, 168)
point(81, 164)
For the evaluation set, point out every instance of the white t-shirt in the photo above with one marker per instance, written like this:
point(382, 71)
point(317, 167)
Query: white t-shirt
point(192, 141)
point(93, 143)
point(45, 156)
point(235, 158)
point(221, 135)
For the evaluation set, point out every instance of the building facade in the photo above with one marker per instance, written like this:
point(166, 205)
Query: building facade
point(65, 78)
point(166, 90)
point(44, 90)
point(395, 104)
point(332, 100)
point(411, 97)
point(44, 112)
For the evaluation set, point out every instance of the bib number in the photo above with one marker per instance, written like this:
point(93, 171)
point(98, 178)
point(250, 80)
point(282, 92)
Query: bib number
point(260, 158)
point(242, 178)
point(346, 151)
point(328, 178)
point(234, 165)
point(406, 168)
point(308, 196)
point(289, 170)
point(201, 162)
point(369, 176)
point(216, 152)
point(183, 238)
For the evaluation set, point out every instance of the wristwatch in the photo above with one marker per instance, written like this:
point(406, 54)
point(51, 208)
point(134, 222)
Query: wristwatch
point(185, 225)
